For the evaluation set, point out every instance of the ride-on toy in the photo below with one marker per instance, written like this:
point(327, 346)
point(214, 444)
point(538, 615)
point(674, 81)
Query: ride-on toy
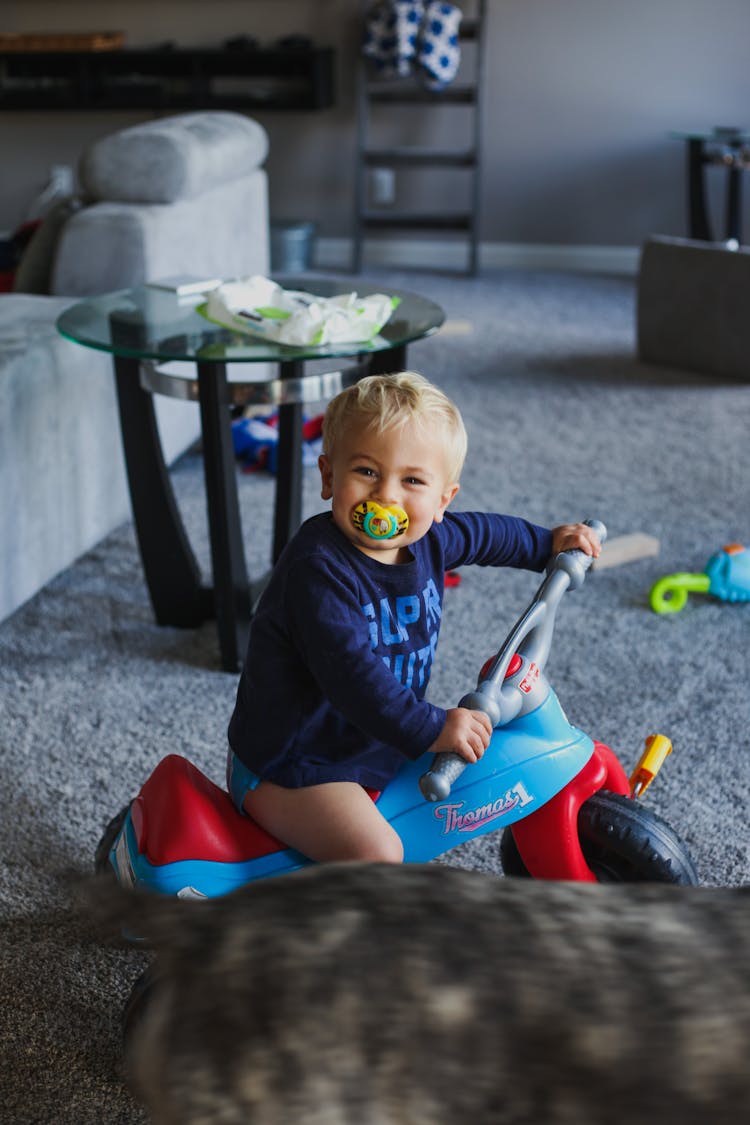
point(563, 802)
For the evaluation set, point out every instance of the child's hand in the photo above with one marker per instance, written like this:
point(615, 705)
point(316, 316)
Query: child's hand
point(465, 732)
point(570, 536)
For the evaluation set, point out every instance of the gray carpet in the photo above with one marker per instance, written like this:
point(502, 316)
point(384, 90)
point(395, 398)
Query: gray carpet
point(564, 423)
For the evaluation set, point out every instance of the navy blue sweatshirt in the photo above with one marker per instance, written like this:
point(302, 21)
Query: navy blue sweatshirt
point(342, 645)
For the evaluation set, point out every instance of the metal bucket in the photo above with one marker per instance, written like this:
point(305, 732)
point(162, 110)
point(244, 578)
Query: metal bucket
point(292, 247)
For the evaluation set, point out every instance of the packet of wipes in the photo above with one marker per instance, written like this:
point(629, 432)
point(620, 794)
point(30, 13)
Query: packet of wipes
point(260, 307)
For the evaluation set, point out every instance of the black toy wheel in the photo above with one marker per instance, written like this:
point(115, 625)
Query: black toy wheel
point(622, 842)
point(102, 866)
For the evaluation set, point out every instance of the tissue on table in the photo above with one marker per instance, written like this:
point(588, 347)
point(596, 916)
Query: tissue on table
point(260, 307)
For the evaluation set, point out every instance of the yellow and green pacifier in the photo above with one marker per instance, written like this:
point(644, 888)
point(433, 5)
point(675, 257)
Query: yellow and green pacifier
point(379, 522)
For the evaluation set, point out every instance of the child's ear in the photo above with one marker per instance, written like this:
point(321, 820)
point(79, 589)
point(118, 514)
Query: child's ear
point(445, 499)
point(326, 477)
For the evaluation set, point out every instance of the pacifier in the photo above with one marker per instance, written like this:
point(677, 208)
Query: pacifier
point(379, 522)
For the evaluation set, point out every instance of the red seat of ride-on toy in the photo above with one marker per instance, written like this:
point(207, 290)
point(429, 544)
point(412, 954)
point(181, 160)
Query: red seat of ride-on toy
point(180, 814)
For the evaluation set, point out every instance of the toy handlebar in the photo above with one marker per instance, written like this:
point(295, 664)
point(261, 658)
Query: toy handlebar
point(532, 637)
point(575, 563)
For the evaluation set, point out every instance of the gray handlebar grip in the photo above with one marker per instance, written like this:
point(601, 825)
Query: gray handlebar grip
point(436, 783)
point(598, 528)
point(575, 563)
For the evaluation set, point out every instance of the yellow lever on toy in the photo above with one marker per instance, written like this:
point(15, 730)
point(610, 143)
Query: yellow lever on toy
point(658, 748)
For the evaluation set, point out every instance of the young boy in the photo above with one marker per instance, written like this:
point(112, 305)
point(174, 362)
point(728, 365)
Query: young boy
point(331, 697)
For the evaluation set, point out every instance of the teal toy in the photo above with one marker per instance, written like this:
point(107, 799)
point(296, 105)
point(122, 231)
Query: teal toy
point(727, 577)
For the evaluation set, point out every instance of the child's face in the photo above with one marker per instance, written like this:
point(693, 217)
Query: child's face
point(404, 467)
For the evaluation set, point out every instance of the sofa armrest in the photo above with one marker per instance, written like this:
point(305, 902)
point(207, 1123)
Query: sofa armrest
point(179, 195)
point(108, 246)
point(62, 471)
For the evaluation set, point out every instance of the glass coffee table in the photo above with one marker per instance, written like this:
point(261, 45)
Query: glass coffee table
point(145, 330)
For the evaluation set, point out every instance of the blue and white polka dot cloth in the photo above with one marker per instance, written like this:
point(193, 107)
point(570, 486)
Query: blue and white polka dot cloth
point(404, 37)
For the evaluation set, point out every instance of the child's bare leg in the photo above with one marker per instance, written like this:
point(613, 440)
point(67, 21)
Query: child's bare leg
point(334, 821)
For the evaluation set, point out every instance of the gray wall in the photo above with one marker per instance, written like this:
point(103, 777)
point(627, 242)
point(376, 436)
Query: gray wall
point(580, 96)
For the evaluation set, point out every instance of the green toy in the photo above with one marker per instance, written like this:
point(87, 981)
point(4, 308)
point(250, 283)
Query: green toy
point(727, 577)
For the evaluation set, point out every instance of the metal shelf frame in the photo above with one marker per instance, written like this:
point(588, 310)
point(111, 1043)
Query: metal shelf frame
point(382, 97)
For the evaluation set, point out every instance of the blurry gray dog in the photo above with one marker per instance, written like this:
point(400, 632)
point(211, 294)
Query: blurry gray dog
point(354, 994)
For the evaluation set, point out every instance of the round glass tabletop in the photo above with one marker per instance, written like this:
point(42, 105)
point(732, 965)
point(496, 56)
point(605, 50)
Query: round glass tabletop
point(152, 323)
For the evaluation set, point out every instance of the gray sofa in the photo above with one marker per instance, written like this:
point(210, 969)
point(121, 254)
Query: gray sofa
point(178, 195)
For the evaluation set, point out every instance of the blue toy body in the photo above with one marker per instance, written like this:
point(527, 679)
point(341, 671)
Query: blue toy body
point(729, 574)
point(526, 764)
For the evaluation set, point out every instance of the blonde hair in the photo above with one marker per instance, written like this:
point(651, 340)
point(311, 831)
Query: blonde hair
point(386, 402)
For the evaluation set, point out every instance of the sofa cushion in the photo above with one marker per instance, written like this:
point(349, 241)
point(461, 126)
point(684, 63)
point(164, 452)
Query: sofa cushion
point(172, 158)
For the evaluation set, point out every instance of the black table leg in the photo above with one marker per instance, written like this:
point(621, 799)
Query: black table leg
point(231, 586)
point(698, 223)
point(734, 205)
point(172, 573)
point(288, 513)
point(388, 362)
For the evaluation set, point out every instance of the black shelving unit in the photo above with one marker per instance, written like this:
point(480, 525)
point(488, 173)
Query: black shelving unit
point(378, 98)
point(298, 78)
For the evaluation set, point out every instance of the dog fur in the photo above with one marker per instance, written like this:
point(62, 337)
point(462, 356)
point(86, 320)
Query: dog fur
point(357, 994)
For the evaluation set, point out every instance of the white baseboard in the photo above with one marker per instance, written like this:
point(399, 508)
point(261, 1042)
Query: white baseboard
point(403, 253)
